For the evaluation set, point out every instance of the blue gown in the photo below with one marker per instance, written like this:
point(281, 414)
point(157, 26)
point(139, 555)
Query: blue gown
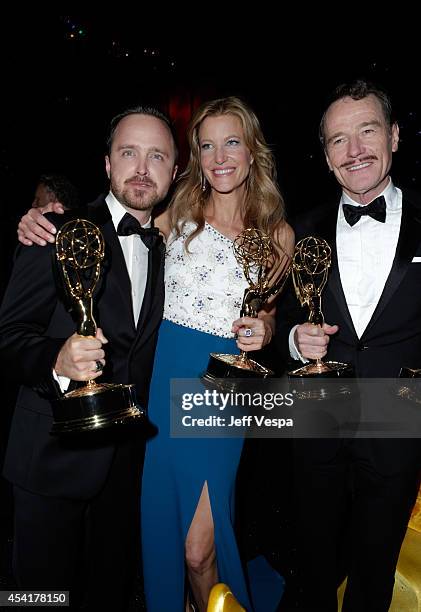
point(175, 472)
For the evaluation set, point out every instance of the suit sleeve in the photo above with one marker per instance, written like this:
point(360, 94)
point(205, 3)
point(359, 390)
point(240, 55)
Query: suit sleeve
point(288, 314)
point(27, 352)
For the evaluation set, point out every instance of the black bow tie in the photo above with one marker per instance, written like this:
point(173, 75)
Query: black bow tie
point(129, 225)
point(376, 209)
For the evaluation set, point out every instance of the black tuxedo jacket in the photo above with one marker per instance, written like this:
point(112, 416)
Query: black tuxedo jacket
point(392, 338)
point(34, 324)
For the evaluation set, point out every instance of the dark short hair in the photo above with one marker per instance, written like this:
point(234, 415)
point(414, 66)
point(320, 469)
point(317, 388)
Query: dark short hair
point(63, 189)
point(357, 90)
point(151, 111)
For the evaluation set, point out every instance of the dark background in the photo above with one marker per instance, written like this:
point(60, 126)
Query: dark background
point(64, 77)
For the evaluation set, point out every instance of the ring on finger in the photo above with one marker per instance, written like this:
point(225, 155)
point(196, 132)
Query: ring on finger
point(248, 332)
point(98, 366)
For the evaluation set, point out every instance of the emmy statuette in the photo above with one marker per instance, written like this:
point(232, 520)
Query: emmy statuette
point(80, 251)
point(310, 266)
point(255, 253)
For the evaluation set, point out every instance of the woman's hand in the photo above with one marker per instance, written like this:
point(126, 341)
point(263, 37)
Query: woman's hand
point(253, 334)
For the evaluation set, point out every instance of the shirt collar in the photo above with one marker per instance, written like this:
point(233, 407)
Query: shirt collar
point(390, 193)
point(117, 211)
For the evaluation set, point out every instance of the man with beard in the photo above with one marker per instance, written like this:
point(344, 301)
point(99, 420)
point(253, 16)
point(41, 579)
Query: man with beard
point(361, 489)
point(76, 503)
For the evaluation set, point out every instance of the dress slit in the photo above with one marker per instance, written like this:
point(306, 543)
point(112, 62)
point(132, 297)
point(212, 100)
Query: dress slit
point(174, 474)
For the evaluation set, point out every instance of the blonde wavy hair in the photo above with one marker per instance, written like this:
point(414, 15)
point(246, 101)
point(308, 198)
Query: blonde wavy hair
point(263, 206)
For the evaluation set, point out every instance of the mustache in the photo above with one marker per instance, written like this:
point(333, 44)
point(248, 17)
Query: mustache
point(140, 180)
point(361, 160)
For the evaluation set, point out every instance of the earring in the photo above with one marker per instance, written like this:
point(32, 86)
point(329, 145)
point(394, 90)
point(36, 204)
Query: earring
point(203, 182)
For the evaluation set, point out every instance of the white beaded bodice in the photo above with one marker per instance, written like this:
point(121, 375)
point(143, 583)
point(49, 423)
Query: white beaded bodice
point(204, 288)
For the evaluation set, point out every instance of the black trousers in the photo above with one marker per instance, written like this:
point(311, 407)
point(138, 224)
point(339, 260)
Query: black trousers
point(90, 548)
point(350, 520)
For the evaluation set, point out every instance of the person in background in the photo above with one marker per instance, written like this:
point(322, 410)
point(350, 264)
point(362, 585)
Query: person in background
point(55, 188)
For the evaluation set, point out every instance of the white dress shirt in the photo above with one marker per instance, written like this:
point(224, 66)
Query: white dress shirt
point(365, 252)
point(135, 255)
point(136, 258)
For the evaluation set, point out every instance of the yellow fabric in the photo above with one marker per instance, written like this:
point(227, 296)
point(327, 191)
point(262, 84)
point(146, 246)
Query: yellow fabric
point(222, 600)
point(415, 520)
point(407, 591)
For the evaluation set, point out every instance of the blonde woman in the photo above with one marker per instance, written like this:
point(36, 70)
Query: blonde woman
point(188, 484)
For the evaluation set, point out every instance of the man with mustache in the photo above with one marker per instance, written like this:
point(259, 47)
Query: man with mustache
point(76, 502)
point(357, 494)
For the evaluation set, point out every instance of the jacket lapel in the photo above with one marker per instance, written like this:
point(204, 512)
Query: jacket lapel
point(155, 263)
point(116, 276)
point(409, 239)
point(326, 228)
point(114, 266)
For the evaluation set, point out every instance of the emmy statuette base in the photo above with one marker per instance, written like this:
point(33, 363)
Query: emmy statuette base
point(96, 407)
point(324, 369)
point(412, 389)
point(234, 366)
point(309, 381)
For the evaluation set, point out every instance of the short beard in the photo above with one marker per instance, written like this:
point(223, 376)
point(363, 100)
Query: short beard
point(139, 201)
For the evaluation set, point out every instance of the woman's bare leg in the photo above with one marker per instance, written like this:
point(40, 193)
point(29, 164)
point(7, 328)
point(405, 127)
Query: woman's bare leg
point(200, 552)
